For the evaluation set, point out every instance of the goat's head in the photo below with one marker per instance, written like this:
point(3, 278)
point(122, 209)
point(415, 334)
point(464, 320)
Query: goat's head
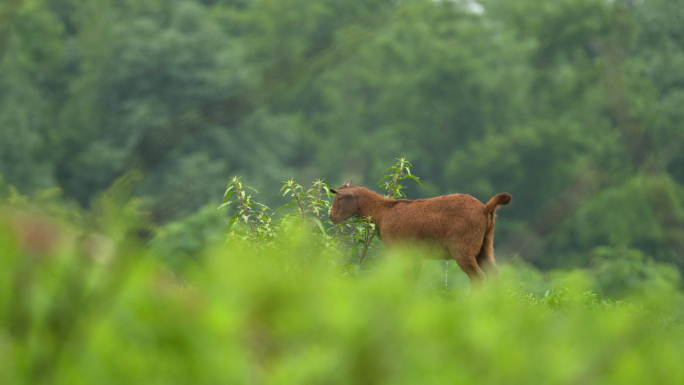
point(346, 203)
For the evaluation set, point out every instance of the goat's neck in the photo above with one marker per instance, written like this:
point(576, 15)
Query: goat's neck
point(373, 205)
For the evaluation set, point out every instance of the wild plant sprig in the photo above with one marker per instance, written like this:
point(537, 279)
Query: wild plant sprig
point(309, 203)
point(366, 237)
point(296, 190)
point(246, 208)
point(398, 172)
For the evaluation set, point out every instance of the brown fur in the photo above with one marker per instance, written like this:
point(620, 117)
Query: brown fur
point(459, 226)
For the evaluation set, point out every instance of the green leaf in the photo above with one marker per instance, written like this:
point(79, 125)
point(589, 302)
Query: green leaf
point(261, 205)
point(251, 188)
point(285, 206)
point(227, 195)
point(232, 221)
point(319, 224)
point(416, 179)
point(225, 204)
point(385, 177)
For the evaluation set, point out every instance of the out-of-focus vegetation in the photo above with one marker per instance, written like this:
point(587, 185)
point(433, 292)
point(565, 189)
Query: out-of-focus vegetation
point(74, 311)
point(572, 106)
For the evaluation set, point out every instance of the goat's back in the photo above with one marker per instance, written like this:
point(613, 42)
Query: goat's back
point(457, 218)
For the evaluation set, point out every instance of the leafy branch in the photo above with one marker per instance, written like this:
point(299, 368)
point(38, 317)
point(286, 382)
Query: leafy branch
point(310, 203)
point(398, 172)
point(246, 207)
point(366, 237)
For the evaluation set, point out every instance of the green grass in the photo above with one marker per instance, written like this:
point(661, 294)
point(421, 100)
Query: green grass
point(288, 315)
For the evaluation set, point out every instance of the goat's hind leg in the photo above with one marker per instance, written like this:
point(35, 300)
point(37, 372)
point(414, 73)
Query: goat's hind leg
point(485, 257)
point(487, 265)
point(467, 261)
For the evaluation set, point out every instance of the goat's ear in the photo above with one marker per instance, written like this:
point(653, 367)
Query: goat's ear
point(333, 191)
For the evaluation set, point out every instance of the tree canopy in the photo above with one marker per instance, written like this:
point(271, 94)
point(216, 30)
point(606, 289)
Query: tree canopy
point(572, 106)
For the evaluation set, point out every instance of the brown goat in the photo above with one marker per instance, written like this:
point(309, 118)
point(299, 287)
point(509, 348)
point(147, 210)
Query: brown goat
point(459, 226)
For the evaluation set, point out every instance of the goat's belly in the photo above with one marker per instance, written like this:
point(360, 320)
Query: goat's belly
point(427, 248)
point(436, 253)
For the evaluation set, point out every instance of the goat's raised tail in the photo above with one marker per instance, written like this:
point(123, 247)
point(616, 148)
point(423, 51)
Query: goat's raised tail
point(485, 259)
point(498, 200)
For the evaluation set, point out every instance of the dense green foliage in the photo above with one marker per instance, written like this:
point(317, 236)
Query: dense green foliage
point(572, 106)
point(285, 314)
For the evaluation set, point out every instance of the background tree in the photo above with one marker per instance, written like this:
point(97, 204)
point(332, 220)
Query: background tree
point(572, 106)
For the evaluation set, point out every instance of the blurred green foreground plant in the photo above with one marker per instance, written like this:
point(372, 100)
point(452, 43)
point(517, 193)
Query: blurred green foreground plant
point(246, 315)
